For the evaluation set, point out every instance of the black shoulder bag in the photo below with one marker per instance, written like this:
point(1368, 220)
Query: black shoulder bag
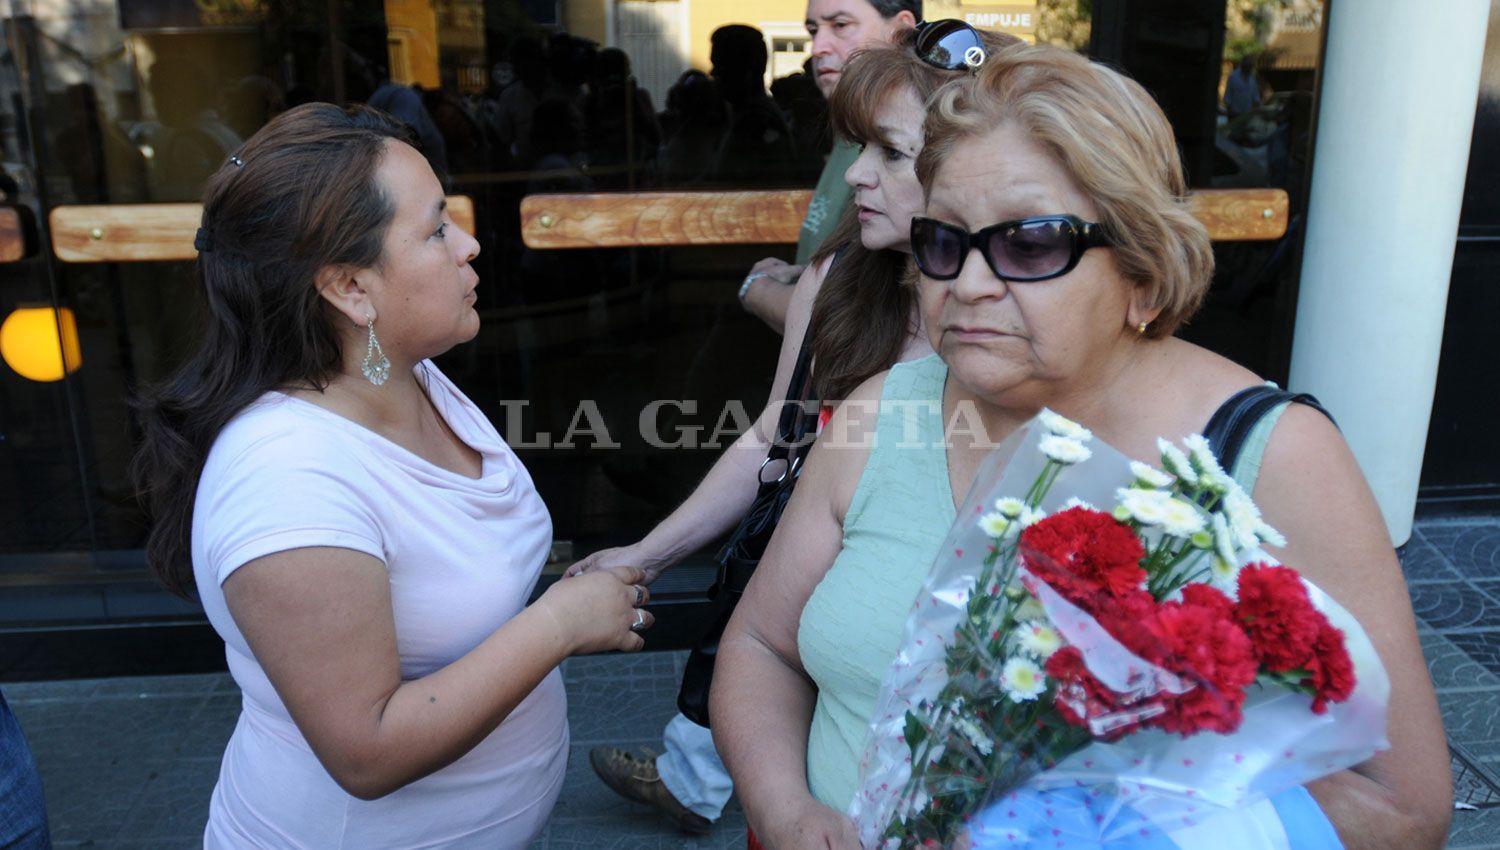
point(795, 430)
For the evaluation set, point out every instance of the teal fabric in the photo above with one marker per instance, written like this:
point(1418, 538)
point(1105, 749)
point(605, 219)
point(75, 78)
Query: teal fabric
point(1247, 467)
point(851, 627)
point(829, 199)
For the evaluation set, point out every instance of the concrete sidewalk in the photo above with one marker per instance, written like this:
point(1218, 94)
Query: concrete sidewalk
point(130, 763)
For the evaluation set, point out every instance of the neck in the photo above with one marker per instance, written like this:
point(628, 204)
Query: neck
point(398, 400)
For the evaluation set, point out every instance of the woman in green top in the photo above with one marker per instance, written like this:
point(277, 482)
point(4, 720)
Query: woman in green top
point(859, 317)
point(1069, 303)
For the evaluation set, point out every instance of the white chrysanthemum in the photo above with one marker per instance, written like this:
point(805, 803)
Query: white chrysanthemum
point(1023, 679)
point(1175, 462)
point(1064, 449)
point(1181, 519)
point(976, 736)
point(1147, 507)
point(1062, 426)
point(994, 524)
point(1150, 475)
point(1075, 502)
point(1039, 639)
point(1224, 575)
point(1218, 482)
point(1010, 506)
point(1267, 534)
point(1224, 546)
point(1204, 460)
point(1031, 516)
point(1243, 518)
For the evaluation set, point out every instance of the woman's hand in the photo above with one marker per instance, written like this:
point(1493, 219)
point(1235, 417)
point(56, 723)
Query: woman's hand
point(634, 556)
point(595, 612)
point(813, 826)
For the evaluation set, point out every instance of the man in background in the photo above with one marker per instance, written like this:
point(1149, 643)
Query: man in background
point(838, 29)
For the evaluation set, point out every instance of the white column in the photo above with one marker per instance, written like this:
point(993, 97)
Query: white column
point(1400, 85)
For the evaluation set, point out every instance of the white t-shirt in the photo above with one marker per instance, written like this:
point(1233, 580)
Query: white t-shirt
point(463, 557)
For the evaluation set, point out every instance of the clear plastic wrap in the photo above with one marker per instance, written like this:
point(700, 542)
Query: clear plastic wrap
point(1156, 738)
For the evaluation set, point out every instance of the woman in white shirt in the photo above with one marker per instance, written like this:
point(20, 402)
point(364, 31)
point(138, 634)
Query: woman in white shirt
point(359, 534)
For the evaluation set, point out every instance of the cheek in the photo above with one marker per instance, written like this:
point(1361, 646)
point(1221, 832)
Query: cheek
point(907, 198)
point(930, 297)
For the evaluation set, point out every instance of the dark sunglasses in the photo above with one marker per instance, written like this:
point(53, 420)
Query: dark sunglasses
point(949, 44)
point(1021, 251)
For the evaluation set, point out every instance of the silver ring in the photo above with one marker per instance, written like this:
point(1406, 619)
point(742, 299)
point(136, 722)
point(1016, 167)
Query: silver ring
point(974, 56)
point(640, 621)
point(640, 595)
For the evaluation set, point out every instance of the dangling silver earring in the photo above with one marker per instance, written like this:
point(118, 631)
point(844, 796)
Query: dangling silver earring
point(376, 368)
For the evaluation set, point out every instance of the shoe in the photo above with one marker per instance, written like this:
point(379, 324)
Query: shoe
point(635, 778)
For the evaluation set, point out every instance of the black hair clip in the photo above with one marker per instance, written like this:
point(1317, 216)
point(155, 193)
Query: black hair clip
point(237, 161)
point(202, 243)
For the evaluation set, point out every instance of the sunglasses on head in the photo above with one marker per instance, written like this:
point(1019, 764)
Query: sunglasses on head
point(1021, 251)
point(949, 44)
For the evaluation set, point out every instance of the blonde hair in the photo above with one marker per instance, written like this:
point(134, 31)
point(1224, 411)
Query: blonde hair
point(1113, 140)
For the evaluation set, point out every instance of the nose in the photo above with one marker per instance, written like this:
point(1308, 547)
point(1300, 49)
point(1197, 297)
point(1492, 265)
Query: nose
point(975, 281)
point(822, 42)
point(468, 246)
point(860, 174)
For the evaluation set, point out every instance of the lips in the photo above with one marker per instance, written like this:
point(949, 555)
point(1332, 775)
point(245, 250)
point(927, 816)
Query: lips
point(974, 334)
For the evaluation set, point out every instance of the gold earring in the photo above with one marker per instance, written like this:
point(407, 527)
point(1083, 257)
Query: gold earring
point(1141, 328)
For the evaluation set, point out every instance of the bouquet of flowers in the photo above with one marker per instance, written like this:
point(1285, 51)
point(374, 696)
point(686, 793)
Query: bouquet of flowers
point(1073, 675)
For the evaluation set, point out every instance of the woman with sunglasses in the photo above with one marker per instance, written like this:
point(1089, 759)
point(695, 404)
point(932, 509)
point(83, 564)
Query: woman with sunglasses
point(1057, 256)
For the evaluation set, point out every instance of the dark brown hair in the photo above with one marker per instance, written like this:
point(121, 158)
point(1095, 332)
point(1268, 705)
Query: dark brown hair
point(305, 197)
point(863, 313)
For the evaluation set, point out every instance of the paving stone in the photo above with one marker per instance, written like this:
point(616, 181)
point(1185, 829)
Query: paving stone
point(109, 728)
point(1450, 666)
point(631, 833)
point(1454, 605)
point(613, 709)
point(1482, 646)
point(174, 804)
point(1473, 720)
point(1421, 561)
point(1475, 830)
point(623, 666)
point(1472, 548)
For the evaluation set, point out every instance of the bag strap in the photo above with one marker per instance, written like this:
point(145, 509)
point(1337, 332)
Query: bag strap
point(1231, 424)
point(791, 425)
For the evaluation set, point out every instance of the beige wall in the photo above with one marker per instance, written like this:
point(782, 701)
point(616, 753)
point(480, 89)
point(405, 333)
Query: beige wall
point(414, 22)
point(705, 16)
point(586, 18)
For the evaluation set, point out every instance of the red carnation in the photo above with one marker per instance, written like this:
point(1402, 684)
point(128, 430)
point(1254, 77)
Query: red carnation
point(1208, 596)
point(1205, 646)
point(1131, 620)
point(1278, 616)
point(1084, 701)
point(1330, 668)
point(1082, 552)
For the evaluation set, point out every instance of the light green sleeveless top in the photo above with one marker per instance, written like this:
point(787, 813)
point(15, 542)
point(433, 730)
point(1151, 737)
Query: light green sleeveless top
point(851, 626)
point(900, 514)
